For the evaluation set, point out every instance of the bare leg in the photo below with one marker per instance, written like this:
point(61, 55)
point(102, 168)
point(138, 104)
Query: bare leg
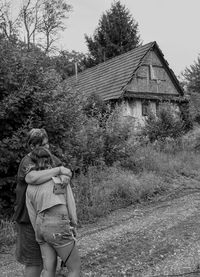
point(33, 271)
point(49, 257)
point(73, 263)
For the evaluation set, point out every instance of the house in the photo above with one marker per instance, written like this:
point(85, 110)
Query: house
point(141, 78)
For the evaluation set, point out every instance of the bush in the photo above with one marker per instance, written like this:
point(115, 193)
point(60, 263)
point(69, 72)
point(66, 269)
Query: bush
point(116, 135)
point(165, 124)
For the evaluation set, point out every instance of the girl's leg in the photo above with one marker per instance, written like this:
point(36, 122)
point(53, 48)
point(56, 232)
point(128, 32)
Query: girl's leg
point(73, 261)
point(49, 257)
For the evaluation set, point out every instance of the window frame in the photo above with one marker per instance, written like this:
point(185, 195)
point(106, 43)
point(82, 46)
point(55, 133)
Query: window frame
point(145, 107)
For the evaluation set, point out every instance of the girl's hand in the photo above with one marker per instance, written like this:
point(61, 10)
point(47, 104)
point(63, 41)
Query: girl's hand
point(64, 179)
point(65, 171)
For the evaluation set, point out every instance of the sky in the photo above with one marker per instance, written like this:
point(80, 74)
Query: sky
point(173, 24)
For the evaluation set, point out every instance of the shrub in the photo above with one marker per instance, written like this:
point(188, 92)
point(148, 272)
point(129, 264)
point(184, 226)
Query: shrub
point(165, 124)
point(191, 140)
point(116, 135)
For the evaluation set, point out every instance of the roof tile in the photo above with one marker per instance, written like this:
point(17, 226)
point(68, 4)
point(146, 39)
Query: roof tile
point(108, 79)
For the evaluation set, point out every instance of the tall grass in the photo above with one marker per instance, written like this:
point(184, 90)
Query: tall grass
point(148, 171)
point(100, 192)
point(7, 234)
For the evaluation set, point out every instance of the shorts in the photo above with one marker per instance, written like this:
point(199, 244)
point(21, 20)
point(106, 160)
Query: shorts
point(27, 249)
point(53, 229)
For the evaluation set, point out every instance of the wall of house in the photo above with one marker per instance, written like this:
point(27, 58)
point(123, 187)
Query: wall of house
point(133, 108)
point(152, 77)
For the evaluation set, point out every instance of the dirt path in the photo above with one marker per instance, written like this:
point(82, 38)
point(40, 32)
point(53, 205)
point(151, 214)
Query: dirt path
point(153, 240)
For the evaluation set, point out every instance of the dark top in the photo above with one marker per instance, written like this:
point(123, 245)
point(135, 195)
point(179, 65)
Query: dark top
point(26, 165)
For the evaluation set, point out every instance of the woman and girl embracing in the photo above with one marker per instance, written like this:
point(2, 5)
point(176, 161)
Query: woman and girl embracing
point(45, 212)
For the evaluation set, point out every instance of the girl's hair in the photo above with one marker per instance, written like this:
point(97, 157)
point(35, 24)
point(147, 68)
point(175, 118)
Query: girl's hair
point(42, 158)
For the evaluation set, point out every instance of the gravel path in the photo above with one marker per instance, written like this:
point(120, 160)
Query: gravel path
point(158, 239)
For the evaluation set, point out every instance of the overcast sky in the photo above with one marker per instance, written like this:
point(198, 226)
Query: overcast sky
point(173, 24)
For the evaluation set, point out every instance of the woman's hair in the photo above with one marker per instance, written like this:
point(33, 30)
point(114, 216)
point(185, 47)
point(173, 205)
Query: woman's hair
point(42, 158)
point(36, 137)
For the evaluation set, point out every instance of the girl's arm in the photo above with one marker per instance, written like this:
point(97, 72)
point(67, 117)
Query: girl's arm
point(71, 205)
point(70, 201)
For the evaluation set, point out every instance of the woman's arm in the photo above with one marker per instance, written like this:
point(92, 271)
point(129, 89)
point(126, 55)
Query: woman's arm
point(39, 177)
point(31, 211)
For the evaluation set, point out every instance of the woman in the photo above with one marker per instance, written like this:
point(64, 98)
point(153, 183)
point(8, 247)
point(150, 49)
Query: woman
point(49, 215)
point(27, 249)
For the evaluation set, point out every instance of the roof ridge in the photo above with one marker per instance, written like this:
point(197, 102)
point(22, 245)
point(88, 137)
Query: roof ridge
point(108, 79)
point(115, 58)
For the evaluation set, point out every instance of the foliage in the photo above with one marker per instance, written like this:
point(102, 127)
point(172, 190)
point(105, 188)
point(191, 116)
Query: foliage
point(117, 132)
point(38, 22)
point(112, 127)
point(192, 77)
point(167, 123)
point(186, 115)
point(28, 83)
point(20, 108)
point(65, 63)
point(64, 120)
point(191, 81)
point(95, 107)
point(7, 234)
point(53, 15)
point(194, 110)
point(102, 190)
point(82, 132)
point(34, 95)
point(8, 28)
point(117, 33)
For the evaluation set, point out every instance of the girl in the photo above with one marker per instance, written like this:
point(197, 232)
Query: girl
point(49, 215)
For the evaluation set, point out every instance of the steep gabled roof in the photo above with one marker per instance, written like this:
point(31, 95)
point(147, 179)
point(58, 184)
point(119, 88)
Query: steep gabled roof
point(109, 78)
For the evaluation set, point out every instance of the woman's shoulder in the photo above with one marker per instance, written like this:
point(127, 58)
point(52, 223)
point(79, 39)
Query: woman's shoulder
point(26, 158)
point(25, 165)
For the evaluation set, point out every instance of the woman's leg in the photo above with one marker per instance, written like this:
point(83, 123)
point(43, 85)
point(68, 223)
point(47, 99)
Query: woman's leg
point(49, 257)
point(33, 271)
point(73, 261)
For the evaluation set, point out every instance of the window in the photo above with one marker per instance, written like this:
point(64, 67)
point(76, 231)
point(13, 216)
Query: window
point(145, 108)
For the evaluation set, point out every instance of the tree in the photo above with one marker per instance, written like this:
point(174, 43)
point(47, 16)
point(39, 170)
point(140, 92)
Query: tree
point(117, 33)
point(30, 17)
point(54, 12)
point(67, 63)
point(192, 77)
point(42, 20)
point(8, 27)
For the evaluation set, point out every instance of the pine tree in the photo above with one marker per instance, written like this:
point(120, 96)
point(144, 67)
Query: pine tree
point(117, 33)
